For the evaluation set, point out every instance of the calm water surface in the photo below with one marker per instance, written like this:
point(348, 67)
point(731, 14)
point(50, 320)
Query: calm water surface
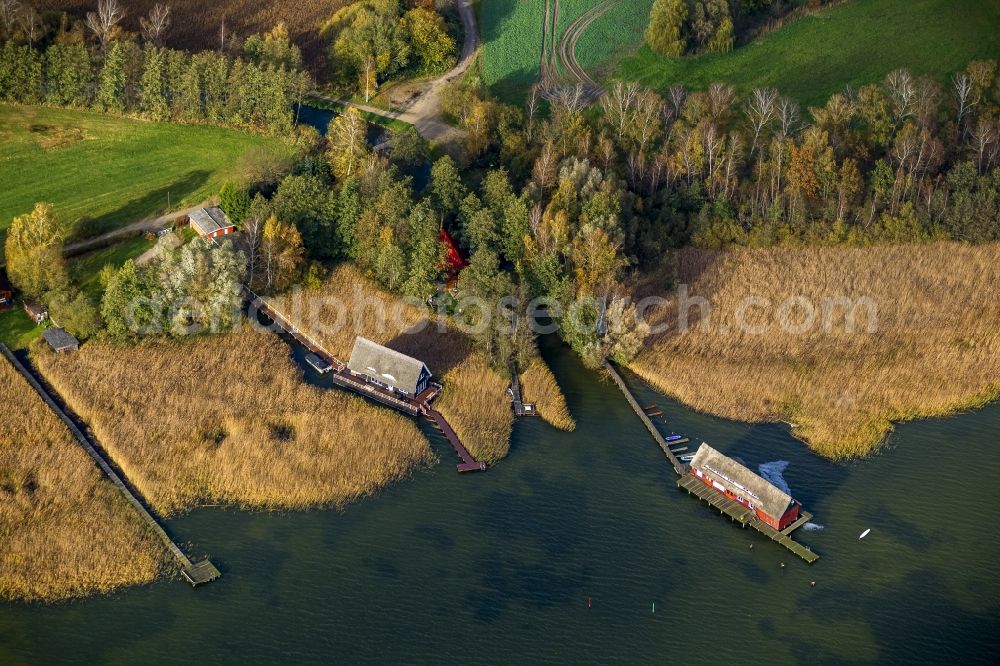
point(497, 567)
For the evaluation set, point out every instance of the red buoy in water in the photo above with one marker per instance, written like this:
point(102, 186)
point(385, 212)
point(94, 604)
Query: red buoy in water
point(589, 602)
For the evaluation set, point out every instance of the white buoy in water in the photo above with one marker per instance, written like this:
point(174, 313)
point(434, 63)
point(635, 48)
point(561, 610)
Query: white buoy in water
point(654, 606)
point(864, 534)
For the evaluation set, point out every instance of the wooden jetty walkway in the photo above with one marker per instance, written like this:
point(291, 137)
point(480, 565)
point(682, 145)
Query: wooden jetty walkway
point(195, 573)
point(521, 408)
point(745, 516)
point(420, 405)
point(468, 464)
point(680, 468)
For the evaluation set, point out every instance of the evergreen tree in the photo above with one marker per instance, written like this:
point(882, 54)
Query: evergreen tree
point(152, 100)
point(111, 90)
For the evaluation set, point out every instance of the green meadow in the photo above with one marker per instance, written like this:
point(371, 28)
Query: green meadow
point(855, 43)
point(101, 171)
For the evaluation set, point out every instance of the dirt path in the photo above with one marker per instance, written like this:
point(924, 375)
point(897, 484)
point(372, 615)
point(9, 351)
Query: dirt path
point(148, 224)
point(424, 111)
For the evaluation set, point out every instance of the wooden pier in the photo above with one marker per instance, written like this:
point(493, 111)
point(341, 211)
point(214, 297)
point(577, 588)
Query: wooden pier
point(194, 573)
point(747, 518)
point(520, 407)
point(679, 468)
point(468, 464)
point(739, 513)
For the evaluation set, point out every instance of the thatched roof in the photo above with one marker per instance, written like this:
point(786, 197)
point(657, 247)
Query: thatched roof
point(210, 220)
point(386, 365)
point(60, 340)
point(741, 481)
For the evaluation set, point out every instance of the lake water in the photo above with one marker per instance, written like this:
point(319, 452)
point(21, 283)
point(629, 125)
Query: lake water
point(498, 567)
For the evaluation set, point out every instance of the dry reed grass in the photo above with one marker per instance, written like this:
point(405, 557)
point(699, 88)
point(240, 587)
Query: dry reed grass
point(539, 385)
point(474, 398)
point(195, 24)
point(65, 531)
point(228, 419)
point(935, 349)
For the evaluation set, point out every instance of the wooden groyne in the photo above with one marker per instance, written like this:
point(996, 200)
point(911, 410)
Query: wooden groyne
point(194, 573)
point(679, 467)
point(739, 513)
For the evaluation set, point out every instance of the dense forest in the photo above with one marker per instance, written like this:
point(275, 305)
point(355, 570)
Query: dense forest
point(255, 91)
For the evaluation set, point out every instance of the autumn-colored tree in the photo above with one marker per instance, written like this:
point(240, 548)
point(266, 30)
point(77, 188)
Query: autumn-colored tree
point(33, 249)
point(282, 255)
point(348, 142)
point(666, 24)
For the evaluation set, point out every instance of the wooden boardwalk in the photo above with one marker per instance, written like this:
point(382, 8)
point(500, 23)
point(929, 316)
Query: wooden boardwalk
point(747, 518)
point(196, 574)
point(679, 467)
point(520, 407)
point(468, 464)
point(737, 512)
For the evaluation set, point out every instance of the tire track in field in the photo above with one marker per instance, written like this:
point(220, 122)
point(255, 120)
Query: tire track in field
point(563, 53)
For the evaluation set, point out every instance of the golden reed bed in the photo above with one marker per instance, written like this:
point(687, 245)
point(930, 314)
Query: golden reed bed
point(934, 349)
point(474, 398)
point(65, 531)
point(227, 419)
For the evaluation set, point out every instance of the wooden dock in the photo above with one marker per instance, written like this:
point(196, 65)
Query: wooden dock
point(679, 467)
point(520, 407)
point(745, 516)
point(468, 464)
point(194, 573)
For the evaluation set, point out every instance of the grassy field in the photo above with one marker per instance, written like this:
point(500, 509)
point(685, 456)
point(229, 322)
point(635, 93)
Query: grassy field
point(65, 531)
point(474, 398)
point(16, 328)
point(85, 269)
point(196, 23)
point(934, 347)
point(613, 36)
point(228, 419)
point(511, 31)
point(855, 43)
point(110, 170)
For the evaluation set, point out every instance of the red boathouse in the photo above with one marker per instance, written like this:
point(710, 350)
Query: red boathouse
point(728, 477)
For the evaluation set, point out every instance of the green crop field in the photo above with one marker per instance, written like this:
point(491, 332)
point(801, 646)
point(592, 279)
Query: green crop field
point(855, 43)
point(511, 31)
point(613, 36)
point(101, 171)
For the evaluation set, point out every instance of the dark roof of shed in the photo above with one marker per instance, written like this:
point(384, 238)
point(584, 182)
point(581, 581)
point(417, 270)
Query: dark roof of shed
point(59, 339)
point(35, 307)
point(209, 220)
point(386, 365)
point(741, 481)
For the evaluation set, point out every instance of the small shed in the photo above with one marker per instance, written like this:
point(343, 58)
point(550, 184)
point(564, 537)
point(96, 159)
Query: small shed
point(60, 341)
point(36, 311)
point(211, 222)
point(6, 292)
point(388, 368)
